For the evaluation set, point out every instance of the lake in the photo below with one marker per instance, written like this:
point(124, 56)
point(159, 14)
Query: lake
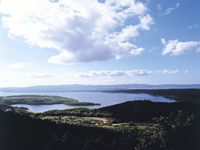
point(106, 99)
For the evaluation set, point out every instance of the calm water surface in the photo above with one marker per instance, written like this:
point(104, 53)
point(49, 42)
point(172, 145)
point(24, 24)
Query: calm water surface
point(105, 99)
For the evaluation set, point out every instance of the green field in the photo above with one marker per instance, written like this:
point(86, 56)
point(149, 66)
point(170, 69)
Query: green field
point(47, 117)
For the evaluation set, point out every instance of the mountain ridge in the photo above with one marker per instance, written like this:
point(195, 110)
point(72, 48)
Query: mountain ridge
point(84, 88)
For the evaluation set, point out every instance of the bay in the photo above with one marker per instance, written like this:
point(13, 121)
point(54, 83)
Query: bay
point(106, 99)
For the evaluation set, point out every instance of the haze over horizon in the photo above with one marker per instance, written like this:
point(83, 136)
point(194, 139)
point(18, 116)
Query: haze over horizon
point(99, 42)
point(106, 87)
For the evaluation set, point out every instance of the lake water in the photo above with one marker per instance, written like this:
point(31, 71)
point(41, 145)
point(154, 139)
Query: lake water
point(106, 99)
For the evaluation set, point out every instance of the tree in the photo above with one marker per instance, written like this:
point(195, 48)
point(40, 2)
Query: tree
point(131, 123)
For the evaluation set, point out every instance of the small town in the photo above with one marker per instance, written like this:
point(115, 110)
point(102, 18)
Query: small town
point(81, 121)
point(92, 121)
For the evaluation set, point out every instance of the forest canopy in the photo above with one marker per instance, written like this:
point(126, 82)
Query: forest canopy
point(42, 100)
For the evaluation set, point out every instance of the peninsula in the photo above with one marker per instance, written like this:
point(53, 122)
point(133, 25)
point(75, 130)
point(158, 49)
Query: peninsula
point(42, 100)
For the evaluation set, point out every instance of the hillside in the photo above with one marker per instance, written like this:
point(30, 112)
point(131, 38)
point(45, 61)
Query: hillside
point(179, 130)
point(136, 111)
point(180, 95)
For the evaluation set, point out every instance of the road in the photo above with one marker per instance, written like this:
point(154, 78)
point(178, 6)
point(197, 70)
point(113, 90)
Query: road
point(139, 124)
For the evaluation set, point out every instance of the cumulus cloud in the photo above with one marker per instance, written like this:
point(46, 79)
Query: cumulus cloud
point(186, 71)
point(101, 73)
point(193, 26)
point(18, 65)
point(166, 71)
point(106, 73)
point(82, 31)
point(138, 72)
point(163, 41)
point(40, 75)
point(154, 48)
point(159, 7)
point(179, 48)
point(169, 10)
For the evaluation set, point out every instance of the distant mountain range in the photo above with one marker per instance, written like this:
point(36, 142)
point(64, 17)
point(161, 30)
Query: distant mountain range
point(79, 87)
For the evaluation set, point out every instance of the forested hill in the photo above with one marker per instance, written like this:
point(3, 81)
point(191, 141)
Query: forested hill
point(42, 100)
point(137, 111)
point(79, 87)
point(144, 111)
point(181, 95)
point(178, 131)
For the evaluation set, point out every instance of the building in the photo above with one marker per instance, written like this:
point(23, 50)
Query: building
point(7, 110)
point(66, 118)
point(56, 118)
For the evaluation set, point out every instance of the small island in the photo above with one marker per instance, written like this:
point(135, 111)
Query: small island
point(43, 100)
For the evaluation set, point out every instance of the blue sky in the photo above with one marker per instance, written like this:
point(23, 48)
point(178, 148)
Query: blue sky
point(46, 42)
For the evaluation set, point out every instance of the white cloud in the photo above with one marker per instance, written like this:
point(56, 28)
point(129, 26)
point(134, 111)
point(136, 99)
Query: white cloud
point(101, 73)
point(82, 31)
point(169, 10)
point(18, 65)
point(179, 48)
point(159, 7)
point(106, 73)
point(117, 73)
point(136, 51)
point(198, 49)
point(138, 72)
point(193, 26)
point(163, 41)
point(35, 75)
point(28, 79)
point(40, 75)
point(166, 71)
point(154, 48)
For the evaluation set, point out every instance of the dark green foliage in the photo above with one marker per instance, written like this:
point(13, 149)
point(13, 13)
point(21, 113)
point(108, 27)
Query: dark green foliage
point(36, 100)
point(178, 131)
point(3, 107)
point(182, 128)
point(42, 100)
point(82, 111)
point(144, 111)
point(22, 132)
point(137, 111)
point(131, 123)
point(81, 103)
point(21, 110)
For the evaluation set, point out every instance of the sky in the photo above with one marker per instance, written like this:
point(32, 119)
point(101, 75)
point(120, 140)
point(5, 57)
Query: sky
point(99, 42)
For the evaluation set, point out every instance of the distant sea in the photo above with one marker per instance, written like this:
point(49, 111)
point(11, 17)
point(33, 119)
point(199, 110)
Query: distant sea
point(106, 99)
